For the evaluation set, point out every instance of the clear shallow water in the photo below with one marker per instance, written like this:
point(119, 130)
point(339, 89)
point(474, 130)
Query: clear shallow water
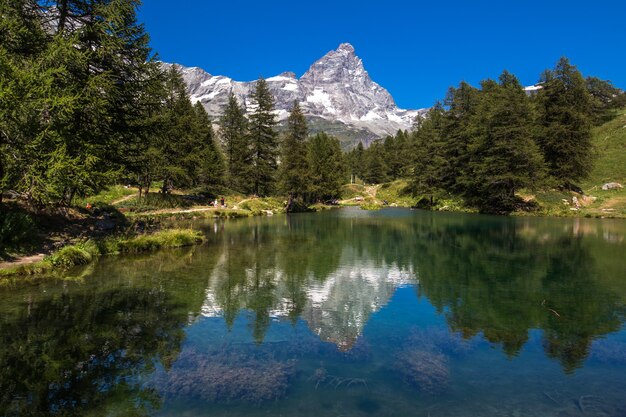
point(347, 312)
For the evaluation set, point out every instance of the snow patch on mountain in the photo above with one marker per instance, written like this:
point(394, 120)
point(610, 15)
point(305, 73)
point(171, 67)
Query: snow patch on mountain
point(336, 88)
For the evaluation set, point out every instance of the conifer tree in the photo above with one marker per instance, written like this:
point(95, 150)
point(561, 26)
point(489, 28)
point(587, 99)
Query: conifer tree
point(263, 140)
point(503, 156)
point(233, 131)
point(211, 168)
point(375, 167)
point(564, 105)
point(428, 155)
point(456, 134)
point(294, 180)
point(325, 167)
point(179, 143)
point(355, 160)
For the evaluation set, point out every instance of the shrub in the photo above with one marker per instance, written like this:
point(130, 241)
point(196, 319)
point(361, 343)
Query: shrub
point(16, 227)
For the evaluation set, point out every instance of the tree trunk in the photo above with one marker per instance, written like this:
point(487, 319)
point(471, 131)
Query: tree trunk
point(72, 193)
point(62, 5)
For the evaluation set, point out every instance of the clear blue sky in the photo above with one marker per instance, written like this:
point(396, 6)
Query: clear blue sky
point(414, 49)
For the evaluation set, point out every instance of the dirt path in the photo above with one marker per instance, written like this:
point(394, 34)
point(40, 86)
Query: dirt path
point(121, 200)
point(177, 211)
point(23, 260)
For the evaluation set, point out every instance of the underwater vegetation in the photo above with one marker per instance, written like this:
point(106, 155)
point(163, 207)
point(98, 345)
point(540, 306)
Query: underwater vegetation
point(427, 371)
point(440, 340)
point(225, 377)
point(423, 361)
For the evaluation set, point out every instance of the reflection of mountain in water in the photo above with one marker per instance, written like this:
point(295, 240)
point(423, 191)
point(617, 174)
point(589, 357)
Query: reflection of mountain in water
point(336, 308)
point(498, 277)
point(85, 345)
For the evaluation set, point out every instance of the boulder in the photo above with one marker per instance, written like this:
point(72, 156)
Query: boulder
point(612, 186)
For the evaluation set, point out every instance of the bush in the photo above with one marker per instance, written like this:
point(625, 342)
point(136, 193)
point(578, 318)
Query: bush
point(16, 227)
point(68, 256)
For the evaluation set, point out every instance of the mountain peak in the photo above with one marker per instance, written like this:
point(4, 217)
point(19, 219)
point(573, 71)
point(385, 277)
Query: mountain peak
point(346, 47)
point(335, 91)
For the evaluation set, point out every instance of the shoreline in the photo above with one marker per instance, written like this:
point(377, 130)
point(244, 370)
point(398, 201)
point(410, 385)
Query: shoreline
point(38, 263)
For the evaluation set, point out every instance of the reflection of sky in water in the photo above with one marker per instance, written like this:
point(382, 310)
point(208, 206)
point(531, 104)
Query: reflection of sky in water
point(348, 312)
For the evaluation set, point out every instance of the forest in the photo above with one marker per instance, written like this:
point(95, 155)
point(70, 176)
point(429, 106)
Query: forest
point(85, 104)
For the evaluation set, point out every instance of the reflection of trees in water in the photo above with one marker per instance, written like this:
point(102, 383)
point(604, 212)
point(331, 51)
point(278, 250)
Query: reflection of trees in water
point(499, 277)
point(76, 348)
point(504, 280)
point(272, 268)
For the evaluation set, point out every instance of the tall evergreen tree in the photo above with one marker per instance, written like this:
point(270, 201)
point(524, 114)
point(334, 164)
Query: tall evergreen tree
point(87, 62)
point(564, 105)
point(503, 156)
point(294, 180)
point(355, 160)
point(325, 167)
point(456, 134)
point(375, 166)
point(263, 140)
point(211, 168)
point(180, 143)
point(233, 131)
point(428, 155)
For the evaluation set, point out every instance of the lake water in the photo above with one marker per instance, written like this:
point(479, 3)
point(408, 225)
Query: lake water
point(341, 313)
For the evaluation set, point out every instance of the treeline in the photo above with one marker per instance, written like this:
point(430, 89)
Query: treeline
point(84, 103)
point(310, 169)
point(485, 144)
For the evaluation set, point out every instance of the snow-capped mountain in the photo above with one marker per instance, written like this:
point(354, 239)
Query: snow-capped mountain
point(336, 94)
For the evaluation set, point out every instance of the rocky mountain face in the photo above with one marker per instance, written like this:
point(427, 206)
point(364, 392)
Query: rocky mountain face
point(336, 94)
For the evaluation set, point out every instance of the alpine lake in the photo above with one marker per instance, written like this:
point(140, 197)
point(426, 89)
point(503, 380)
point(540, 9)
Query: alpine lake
point(340, 313)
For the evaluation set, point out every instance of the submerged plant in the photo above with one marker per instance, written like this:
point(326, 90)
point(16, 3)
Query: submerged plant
point(426, 370)
point(226, 377)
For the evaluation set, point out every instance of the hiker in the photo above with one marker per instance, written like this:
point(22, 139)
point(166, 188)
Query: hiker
point(222, 201)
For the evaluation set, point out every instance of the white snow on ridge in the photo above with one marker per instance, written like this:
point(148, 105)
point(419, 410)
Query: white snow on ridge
point(279, 78)
point(291, 87)
point(336, 87)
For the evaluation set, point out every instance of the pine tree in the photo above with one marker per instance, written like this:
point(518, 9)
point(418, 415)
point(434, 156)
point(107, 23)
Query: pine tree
point(355, 160)
point(456, 134)
point(263, 140)
point(428, 154)
point(375, 166)
point(83, 67)
point(565, 110)
point(211, 166)
point(293, 176)
point(326, 165)
point(233, 131)
point(179, 144)
point(503, 156)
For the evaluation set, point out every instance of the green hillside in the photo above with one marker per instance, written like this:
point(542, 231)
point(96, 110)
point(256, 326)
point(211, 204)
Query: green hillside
point(610, 145)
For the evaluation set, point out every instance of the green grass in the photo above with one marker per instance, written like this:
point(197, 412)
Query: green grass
point(225, 213)
point(370, 206)
point(258, 206)
point(396, 192)
point(349, 191)
point(609, 141)
point(85, 252)
point(107, 196)
point(156, 201)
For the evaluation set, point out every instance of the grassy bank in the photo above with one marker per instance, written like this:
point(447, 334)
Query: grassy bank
point(85, 252)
